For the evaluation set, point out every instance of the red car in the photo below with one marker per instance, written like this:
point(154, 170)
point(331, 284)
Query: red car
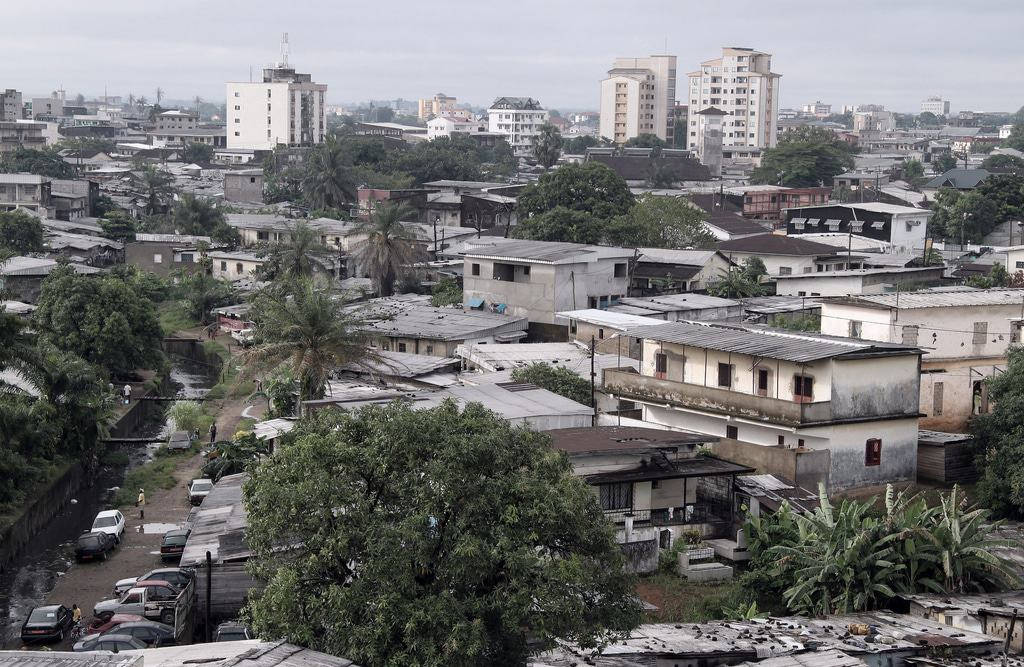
point(99, 625)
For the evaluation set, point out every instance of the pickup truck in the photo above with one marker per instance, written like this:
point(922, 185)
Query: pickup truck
point(153, 599)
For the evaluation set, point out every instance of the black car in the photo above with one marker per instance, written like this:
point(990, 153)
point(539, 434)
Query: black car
point(47, 624)
point(174, 544)
point(110, 642)
point(150, 633)
point(94, 546)
point(231, 631)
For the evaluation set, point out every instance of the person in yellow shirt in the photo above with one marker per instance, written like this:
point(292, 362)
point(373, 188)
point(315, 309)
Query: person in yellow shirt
point(140, 502)
point(76, 613)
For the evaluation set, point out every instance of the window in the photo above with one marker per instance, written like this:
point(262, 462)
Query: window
point(616, 496)
point(476, 270)
point(724, 375)
point(937, 390)
point(573, 326)
point(187, 258)
point(782, 440)
point(980, 332)
point(803, 388)
point(762, 382)
point(401, 347)
point(873, 452)
point(620, 269)
point(732, 432)
point(600, 334)
point(800, 442)
point(224, 266)
point(238, 268)
point(855, 328)
point(158, 258)
point(785, 270)
point(660, 365)
point(430, 349)
point(910, 334)
point(526, 270)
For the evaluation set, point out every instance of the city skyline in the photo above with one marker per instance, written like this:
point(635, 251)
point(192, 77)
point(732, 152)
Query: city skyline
point(558, 55)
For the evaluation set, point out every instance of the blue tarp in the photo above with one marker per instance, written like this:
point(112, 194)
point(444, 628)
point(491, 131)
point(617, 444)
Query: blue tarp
point(475, 302)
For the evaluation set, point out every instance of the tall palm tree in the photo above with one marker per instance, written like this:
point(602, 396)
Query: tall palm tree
point(302, 253)
point(157, 185)
point(388, 248)
point(195, 215)
point(328, 181)
point(301, 328)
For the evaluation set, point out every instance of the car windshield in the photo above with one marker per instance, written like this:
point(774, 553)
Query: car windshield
point(231, 636)
point(202, 486)
point(42, 615)
point(89, 540)
point(104, 522)
point(175, 540)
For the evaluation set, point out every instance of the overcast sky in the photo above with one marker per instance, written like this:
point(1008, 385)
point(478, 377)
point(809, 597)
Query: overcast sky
point(868, 51)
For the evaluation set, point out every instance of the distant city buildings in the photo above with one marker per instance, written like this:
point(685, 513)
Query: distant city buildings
point(10, 105)
point(176, 119)
point(935, 105)
point(741, 84)
point(519, 119)
point(638, 97)
point(818, 109)
point(285, 108)
point(438, 105)
point(877, 121)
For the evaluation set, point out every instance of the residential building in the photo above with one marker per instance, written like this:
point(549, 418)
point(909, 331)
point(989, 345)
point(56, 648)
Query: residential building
point(176, 119)
point(741, 84)
point(667, 270)
point(965, 335)
point(607, 330)
point(859, 281)
point(874, 121)
point(818, 109)
point(935, 105)
point(392, 130)
point(235, 265)
point(285, 108)
point(211, 136)
point(19, 134)
point(437, 105)
point(637, 165)
point(11, 108)
point(957, 179)
point(164, 254)
point(787, 255)
point(855, 180)
point(446, 126)
point(22, 277)
point(48, 107)
point(243, 186)
point(765, 202)
point(854, 403)
point(536, 279)
point(711, 125)
point(73, 198)
point(519, 119)
point(639, 97)
point(27, 191)
point(903, 228)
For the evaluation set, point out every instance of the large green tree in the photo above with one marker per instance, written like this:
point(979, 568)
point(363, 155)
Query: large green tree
point(327, 180)
point(158, 186)
point(999, 437)
point(645, 140)
point(962, 216)
point(105, 320)
point(590, 188)
point(298, 257)
point(20, 232)
point(661, 222)
point(455, 158)
point(547, 145)
point(44, 162)
point(118, 226)
point(943, 162)
point(388, 247)
point(557, 379)
point(804, 157)
point(563, 225)
point(201, 217)
point(1016, 138)
point(197, 153)
point(199, 293)
point(1004, 164)
point(435, 537)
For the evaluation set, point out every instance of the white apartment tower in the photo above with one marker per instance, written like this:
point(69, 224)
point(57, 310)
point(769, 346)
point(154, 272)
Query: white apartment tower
point(741, 84)
point(935, 105)
point(638, 97)
point(284, 109)
point(519, 119)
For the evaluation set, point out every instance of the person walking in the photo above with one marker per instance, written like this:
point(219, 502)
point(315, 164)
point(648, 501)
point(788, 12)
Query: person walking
point(213, 432)
point(140, 502)
point(127, 393)
point(76, 614)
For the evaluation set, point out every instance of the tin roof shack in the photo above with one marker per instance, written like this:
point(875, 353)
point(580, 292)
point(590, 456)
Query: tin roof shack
point(245, 653)
point(858, 281)
point(218, 527)
point(787, 255)
point(165, 253)
point(768, 392)
point(675, 307)
point(609, 330)
point(667, 270)
point(85, 248)
point(987, 613)
point(536, 279)
point(652, 484)
point(965, 335)
point(904, 228)
point(23, 276)
point(946, 458)
point(895, 638)
point(412, 325)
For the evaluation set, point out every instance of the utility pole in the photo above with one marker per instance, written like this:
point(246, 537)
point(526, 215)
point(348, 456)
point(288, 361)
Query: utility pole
point(593, 382)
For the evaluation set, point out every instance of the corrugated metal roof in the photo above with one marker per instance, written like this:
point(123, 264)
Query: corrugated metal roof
point(221, 519)
point(763, 342)
point(410, 319)
point(546, 252)
point(945, 299)
point(68, 659)
point(246, 653)
point(678, 302)
point(172, 238)
point(608, 318)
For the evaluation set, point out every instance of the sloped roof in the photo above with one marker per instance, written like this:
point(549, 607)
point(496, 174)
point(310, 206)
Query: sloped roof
point(776, 244)
point(961, 179)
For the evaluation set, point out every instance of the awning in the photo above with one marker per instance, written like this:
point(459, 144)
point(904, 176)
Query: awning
point(475, 302)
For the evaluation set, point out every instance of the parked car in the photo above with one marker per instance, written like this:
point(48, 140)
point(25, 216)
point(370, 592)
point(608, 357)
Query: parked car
point(113, 643)
point(173, 544)
point(47, 624)
point(93, 546)
point(154, 599)
point(176, 576)
point(198, 490)
point(110, 522)
point(150, 633)
point(99, 626)
point(231, 631)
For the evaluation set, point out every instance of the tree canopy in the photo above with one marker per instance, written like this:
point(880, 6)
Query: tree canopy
point(661, 222)
point(645, 140)
point(590, 188)
point(20, 232)
point(547, 145)
point(436, 537)
point(557, 379)
point(943, 162)
point(44, 162)
point(1016, 138)
point(999, 441)
point(198, 216)
point(804, 157)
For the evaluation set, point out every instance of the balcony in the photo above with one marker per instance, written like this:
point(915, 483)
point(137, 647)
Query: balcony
point(647, 389)
point(712, 513)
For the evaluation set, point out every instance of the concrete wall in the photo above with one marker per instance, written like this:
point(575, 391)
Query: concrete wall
point(847, 444)
point(877, 386)
point(797, 264)
point(947, 391)
point(233, 269)
point(243, 187)
point(803, 467)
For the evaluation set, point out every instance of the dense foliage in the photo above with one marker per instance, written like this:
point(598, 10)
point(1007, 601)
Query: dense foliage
point(446, 292)
point(589, 188)
point(20, 232)
point(433, 537)
point(740, 282)
point(201, 217)
point(999, 437)
point(200, 293)
point(661, 222)
point(557, 379)
point(389, 247)
point(804, 157)
point(547, 145)
point(44, 162)
point(118, 226)
point(973, 214)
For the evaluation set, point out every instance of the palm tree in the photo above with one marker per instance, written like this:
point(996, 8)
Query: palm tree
point(388, 247)
point(734, 284)
point(200, 293)
point(301, 328)
point(157, 186)
point(229, 458)
point(328, 180)
point(302, 254)
point(195, 215)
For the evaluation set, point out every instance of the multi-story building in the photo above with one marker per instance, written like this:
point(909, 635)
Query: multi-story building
point(11, 105)
point(965, 334)
point(812, 408)
point(21, 134)
point(935, 105)
point(27, 191)
point(438, 105)
point(874, 121)
point(519, 119)
point(48, 107)
point(818, 109)
point(639, 97)
point(765, 202)
point(741, 84)
point(286, 108)
point(901, 228)
point(177, 119)
point(446, 126)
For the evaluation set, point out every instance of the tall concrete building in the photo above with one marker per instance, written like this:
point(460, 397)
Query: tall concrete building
point(741, 84)
point(519, 119)
point(639, 97)
point(284, 109)
point(935, 105)
point(11, 105)
point(438, 105)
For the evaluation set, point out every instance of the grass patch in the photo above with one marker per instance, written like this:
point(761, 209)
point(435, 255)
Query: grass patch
point(173, 318)
point(681, 601)
point(114, 457)
point(155, 474)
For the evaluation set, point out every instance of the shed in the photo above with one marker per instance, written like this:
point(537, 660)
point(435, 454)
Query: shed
point(947, 458)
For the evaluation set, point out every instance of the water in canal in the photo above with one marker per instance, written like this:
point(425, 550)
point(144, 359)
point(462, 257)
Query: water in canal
point(50, 553)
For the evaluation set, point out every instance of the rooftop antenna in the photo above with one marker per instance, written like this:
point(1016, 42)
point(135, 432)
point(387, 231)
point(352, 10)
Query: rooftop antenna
point(284, 50)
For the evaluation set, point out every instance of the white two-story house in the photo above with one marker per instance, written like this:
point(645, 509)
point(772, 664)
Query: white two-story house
point(807, 407)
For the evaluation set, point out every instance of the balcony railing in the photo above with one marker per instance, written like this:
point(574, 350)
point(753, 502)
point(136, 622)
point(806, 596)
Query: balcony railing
point(713, 399)
point(671, 516)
